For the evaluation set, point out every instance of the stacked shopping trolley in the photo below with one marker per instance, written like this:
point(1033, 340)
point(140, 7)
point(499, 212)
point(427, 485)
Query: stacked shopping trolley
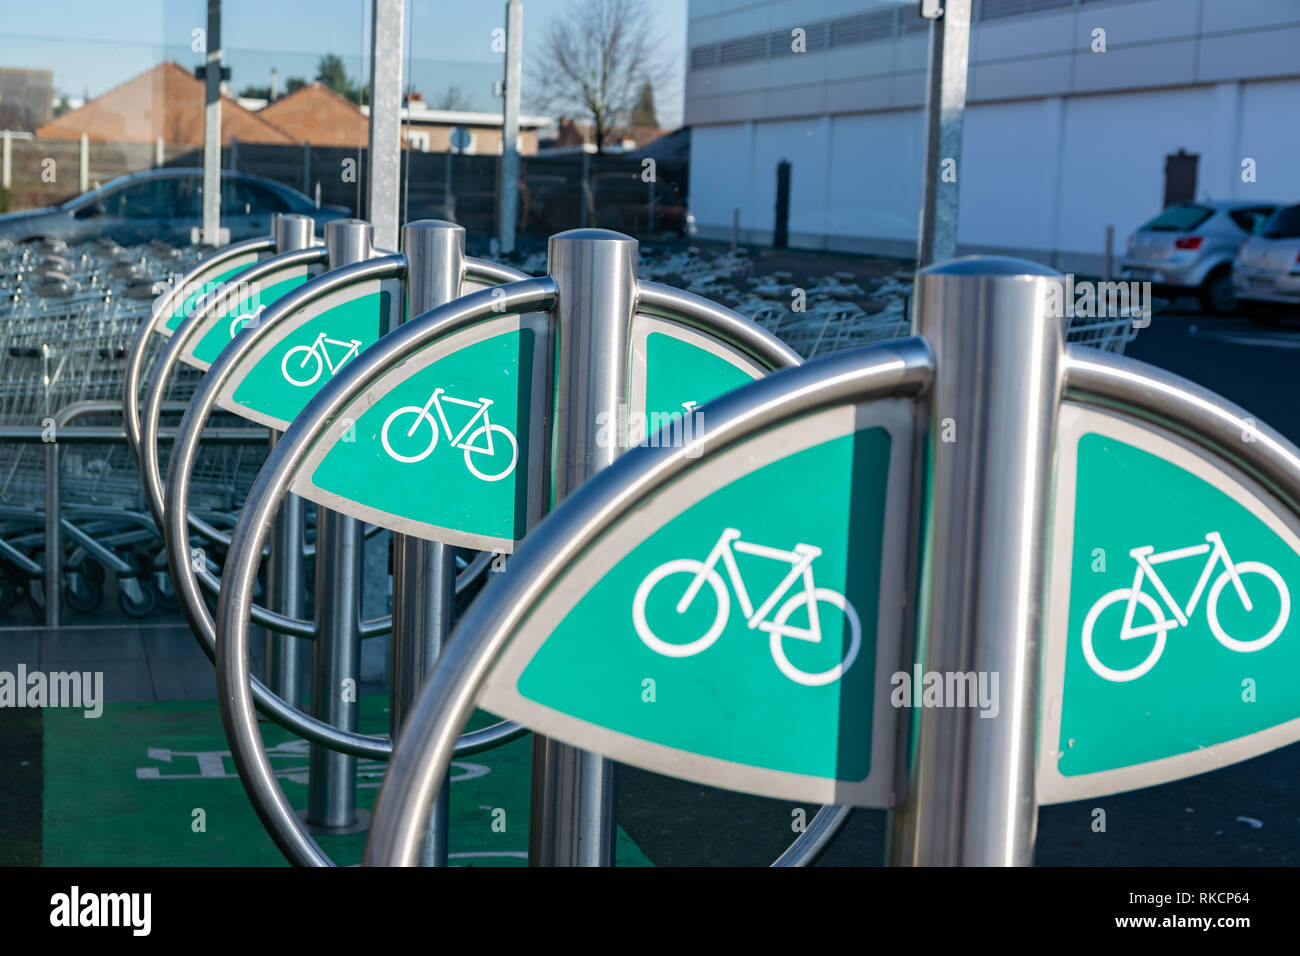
point(67, 317)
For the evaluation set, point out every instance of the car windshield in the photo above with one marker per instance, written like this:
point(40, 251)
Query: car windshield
point(1179, 219)
point(1284, 224)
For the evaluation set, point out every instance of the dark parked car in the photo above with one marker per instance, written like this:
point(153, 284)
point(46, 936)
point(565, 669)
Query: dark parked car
point(163, 204)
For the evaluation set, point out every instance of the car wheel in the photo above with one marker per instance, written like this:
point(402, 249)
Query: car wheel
point(1217, 294)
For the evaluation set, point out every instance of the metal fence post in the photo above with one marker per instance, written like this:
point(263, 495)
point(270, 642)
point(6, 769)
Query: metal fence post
point(514, 73)
point(945, 118)
point(424, 572)
point(6, 159)
point(83, 163)
point(998, 347)
point(384, 172)
point(212, 128)
point(285, 582)
point(332, 776)
point(573, 792)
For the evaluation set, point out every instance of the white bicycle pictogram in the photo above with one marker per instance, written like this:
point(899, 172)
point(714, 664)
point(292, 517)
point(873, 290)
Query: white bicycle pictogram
point(315, 358)
point(421, 449)
point(800, 560)
point(1146, 558)
point(245, 320)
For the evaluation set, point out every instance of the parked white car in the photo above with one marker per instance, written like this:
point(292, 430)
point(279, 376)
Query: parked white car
point(1188, 250)
point(1266, 272)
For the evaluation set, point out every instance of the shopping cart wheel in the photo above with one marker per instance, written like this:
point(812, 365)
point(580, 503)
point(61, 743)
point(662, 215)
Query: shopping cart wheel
point(81, 591)
point(137, 607)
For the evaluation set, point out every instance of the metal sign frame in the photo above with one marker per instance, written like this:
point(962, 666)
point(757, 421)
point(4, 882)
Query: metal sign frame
point(1076, 420)
point(619, 536)
point(898, 370)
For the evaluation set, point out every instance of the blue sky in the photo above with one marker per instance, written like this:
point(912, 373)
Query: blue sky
point(93, 45)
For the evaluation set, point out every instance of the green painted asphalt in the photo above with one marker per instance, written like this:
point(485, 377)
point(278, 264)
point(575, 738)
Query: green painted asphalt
point(153, 784)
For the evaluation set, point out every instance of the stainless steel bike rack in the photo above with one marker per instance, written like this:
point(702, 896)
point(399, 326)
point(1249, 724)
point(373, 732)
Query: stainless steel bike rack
point(176, 492)
point(595, 273)
point(989, 362)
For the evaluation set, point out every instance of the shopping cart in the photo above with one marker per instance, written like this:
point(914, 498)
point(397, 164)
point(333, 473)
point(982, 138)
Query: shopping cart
point(67, 317)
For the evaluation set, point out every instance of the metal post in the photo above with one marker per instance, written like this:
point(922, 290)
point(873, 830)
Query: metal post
point(945, 114)
point(83, 163)
point(159, 153)
point(6, 159)
point(384, 193)
point(573, 792)
point(424, 572)
point(586, 187)
point(212, 129)
point(286, 587)
point(332, 776)
point(53, 543)
point(510, 125)
point(969, 795)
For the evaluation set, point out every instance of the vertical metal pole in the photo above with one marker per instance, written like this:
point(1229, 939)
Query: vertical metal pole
point(53, 542)
point(212, 129)
point(586, 187)
point(424, 572)
point(514, 79)
point(573, 792)
point(83, 163)
point(945, 114)
point(286, 587)
point(159, 153)
point(384, 195)
point(332, 776)
point(969, 795)
point(6, 159)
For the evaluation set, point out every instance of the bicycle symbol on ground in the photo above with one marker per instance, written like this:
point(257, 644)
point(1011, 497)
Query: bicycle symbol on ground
point(315, 358)
point(480, 442)
point(728, 544)
point(1146, 558)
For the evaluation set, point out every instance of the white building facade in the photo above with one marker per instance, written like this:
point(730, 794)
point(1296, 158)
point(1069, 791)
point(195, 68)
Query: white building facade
point(1073, 107)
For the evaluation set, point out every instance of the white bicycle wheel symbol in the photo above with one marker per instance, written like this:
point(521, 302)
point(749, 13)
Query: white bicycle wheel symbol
point(778, 629)
point(424, 450)
point(311, 354)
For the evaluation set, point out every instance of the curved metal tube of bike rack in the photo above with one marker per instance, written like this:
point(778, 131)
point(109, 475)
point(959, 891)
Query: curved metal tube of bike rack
point(147, 457)
point(272, 485)
point(447, 700)
point(1195, 413)
point(160, 313)
point(155, 493)
point(653, 298)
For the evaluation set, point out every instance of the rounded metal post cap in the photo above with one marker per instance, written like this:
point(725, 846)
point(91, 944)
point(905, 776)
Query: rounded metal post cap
point(991, 266)
point(292, 230)
point(433, 225)
point(602, 242)
point(349, 240)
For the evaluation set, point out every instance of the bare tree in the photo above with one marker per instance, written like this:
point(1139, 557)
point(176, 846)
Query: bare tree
point(598, 55)
point(453, 98)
